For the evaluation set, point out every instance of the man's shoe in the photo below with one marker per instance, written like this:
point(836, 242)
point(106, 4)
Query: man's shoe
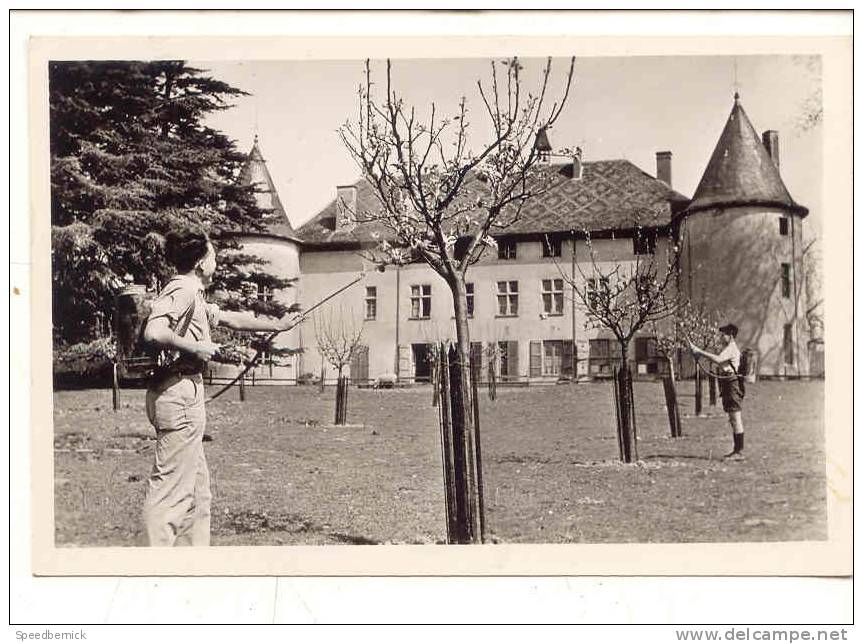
point(735, 456)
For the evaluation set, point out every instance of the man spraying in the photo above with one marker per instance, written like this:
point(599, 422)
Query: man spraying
point(177, 506)
point(730, 387)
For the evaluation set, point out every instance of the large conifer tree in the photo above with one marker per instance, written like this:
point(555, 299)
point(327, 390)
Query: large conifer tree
point(131, 159)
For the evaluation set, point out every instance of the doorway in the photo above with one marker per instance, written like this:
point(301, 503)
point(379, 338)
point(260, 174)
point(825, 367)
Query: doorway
point(422, 362)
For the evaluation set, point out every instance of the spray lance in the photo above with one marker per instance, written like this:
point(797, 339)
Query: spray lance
point(272, 336)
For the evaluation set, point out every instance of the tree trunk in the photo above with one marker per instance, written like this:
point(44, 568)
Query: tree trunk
point(670, 387)
point(712, 390)
point(625, 416)
point(341, 399)
point(465, 437)
point(435, 375)
point(115, 397)
point(699, 381)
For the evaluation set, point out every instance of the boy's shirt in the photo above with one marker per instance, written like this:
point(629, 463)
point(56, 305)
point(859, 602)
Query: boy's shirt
point(730, 357)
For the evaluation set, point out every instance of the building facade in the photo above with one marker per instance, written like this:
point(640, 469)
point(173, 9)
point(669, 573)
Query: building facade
point(741, 236)
point(524, 315)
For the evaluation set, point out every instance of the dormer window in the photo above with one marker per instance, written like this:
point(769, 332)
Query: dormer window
point(551, 247)
point(644, 243)
point(506, 249)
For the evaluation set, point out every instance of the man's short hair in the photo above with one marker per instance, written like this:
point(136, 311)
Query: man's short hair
point(730, 329)
point(186, 248)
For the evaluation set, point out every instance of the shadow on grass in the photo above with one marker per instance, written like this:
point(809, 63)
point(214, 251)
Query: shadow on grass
point(672, 457)
point(351, 539)
point(245, 522)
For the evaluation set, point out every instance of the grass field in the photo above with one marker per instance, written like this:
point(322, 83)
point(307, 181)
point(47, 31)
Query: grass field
point(282, 475)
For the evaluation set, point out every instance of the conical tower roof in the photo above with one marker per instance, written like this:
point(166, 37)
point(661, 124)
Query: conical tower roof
point(255, 172)
point(741, 172)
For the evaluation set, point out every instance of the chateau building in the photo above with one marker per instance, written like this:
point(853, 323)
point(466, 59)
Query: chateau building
point(741, 236)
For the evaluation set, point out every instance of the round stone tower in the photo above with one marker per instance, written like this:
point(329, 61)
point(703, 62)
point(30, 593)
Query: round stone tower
point(277, 245)
point(742, 236)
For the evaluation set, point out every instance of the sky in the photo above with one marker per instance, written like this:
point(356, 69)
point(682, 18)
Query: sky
point(618, 108)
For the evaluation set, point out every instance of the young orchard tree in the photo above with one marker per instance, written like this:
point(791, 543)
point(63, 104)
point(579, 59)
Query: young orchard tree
point(691, 320)
point(440, 199)
point(338, 339)
point(811, 294)
point(624, 297)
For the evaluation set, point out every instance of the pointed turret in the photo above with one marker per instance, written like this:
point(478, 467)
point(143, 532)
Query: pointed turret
point(255, 172)
point(741, 171)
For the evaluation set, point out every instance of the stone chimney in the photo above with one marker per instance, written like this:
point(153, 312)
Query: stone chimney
point(577, 165)
point(770, 138)
point(663, 167)
point(346, 207)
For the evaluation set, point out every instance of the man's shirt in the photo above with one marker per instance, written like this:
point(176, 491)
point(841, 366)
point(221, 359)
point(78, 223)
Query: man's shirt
point(173, 303)
point(730, 356)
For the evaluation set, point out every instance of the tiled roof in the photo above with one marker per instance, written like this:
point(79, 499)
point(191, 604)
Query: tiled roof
point(611, 195)
point(255, 172)
point(740, 171)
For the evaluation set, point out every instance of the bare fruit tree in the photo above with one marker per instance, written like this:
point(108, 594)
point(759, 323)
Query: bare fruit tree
point(692, 321)
point(812, 289)
point(440, 201)
point(624, 297)
point(338, 338)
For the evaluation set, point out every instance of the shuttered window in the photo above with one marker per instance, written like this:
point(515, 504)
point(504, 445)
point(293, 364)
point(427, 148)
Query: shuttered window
point(567, 366)
point(508, 356)
point(788, 344)
point(535, 358)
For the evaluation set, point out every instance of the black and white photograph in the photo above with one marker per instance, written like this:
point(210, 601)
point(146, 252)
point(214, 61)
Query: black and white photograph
point(410, 300)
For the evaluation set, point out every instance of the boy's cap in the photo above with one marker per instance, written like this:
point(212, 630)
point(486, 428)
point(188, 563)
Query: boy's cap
point(730, 329)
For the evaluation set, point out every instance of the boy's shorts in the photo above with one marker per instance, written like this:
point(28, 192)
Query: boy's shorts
point(731, 394)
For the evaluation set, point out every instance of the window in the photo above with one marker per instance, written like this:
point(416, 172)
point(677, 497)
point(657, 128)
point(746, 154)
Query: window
point(469, 288)
point(506, 249)
point(645, 349)
point(552, 362)
point(783, 226)
point(551, 247)
point(597, 289)
point(644, 242)
point(600, 348)
point(648, 356)
point(788, 344)
point(786, 280)
point(421, 301)
point(555, 356)
point(507, 298)
point(603, 356)
point(263, 293)
point(371, 302)
point(552, 296)
point(508, 356)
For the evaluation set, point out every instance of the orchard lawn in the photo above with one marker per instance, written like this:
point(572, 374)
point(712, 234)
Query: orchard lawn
point(282, 474)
